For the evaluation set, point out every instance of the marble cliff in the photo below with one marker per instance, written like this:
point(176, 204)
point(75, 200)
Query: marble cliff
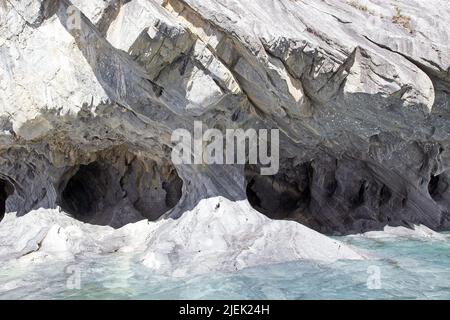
point(90, 92)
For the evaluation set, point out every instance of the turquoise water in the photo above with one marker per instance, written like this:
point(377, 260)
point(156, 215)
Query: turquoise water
point(407, 269)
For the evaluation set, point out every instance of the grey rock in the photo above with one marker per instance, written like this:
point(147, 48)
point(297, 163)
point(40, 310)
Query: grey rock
point(359, 90)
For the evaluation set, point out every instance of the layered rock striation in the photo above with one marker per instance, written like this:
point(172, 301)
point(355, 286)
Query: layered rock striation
point(91, 91)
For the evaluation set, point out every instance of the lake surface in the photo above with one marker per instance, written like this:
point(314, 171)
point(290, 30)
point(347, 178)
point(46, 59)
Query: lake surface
point(402, 269)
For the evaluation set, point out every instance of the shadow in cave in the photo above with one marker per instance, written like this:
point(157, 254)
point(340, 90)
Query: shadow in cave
point(83, 193)
point(6, 189)
point(281, 196)
point(339, 197)
point(434, 187)
point(103, 194)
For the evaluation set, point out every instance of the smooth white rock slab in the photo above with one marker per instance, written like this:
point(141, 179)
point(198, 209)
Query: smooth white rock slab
point(217, 235)
point(420, 232)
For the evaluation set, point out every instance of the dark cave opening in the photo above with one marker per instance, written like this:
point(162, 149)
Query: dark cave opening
point(433, 186)
point(285, 195)
point(332, 196)
point(438, 186)
point(84, 191)
point(358, 199)
point(6, 189)
point(116, 194)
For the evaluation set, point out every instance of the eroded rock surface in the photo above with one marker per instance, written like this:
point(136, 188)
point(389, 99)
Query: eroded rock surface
point(359, 90)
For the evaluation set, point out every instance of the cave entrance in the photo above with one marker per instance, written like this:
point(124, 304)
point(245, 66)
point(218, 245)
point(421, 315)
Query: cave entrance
point(433, 186)
point(330, 195)
point(115, 193)
point(84, 192)
point(285, 195)
point(438, 186)
point(6, 189)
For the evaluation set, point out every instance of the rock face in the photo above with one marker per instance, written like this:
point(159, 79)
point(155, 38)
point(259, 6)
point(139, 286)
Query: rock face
point(90, 92)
